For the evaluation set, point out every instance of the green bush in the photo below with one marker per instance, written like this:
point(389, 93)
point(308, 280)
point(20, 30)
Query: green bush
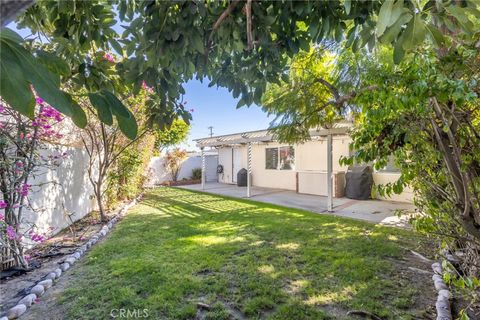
point(197, 174)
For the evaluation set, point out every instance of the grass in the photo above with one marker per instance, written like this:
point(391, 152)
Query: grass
point(242, 258)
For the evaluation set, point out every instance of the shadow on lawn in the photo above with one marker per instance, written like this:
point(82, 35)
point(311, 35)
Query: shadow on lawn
point(245, 260)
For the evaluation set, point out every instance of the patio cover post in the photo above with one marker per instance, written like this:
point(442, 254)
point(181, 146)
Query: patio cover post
point(203, 168)
point(249, 169)
point(329, 173)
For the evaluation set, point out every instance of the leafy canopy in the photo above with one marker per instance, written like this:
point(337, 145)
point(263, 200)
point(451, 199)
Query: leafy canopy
point(240, 45)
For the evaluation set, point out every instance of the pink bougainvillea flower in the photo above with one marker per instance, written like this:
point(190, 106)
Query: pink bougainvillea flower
point(108, 57)
point(27, 257)
point(19, 164)
point(11, 234)
point(24, 189)
point(16, 206)
point(3, 204)
point(39, 100)
point(2, 217)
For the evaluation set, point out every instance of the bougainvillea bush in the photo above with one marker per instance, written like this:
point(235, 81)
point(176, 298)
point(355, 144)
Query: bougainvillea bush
point(22, 158)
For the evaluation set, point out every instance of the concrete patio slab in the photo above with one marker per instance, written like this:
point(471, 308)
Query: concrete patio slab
point(377, 211)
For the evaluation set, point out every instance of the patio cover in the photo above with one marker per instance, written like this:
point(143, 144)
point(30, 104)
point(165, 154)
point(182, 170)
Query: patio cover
point(259, 136)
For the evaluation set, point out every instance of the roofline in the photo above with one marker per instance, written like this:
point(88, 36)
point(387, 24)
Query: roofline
point(253, 131)
point(267, 137)
point(233, 134)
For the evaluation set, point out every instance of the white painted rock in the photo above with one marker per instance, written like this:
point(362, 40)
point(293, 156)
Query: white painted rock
point(51, 275)
point(3, 318)
point(46, 283)
point(70, 260)
point(76, 255)
point(437, 268)
point(65, 266)
point(38, 290)
point(444, 294)
point(58, 272)
point(16, 311)
point(28, 299)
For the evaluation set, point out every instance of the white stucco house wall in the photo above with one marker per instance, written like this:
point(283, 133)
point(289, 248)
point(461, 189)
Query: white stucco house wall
point(297, 167)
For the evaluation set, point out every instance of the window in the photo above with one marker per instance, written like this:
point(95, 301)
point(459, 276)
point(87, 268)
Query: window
point(271, 158)
point(282, 158)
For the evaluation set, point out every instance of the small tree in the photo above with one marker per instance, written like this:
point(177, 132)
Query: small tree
point(105, 144)
point(173, 162)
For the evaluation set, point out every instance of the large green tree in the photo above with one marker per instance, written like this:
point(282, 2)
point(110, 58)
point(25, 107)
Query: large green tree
point(241, 45)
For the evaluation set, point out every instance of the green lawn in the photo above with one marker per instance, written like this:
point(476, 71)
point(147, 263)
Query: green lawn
point(245, 260)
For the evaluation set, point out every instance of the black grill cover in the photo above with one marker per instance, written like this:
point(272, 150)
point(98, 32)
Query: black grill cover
point(359, 182)
point(242, 178)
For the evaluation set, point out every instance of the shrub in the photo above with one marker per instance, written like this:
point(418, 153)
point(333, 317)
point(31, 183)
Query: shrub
point(197, 174)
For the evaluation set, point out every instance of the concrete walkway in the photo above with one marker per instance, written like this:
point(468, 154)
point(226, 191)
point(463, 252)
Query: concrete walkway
point(376, 211)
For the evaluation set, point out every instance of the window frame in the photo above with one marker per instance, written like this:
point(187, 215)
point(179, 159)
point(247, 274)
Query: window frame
point(278, 153)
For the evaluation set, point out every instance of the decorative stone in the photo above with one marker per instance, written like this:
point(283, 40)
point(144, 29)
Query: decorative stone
point(58, 272)
point(65, 266)
point(46, 283)
point(437, 268)
point(438, 283)
point(16, 311)
point(76, 255)
point(84, 248)
point(3, 318)
point(70, 260)
point(52, 276)
point(444, 294)
point(28, 299)
point(38, 290)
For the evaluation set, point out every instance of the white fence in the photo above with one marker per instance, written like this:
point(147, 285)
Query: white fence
point(160, 175)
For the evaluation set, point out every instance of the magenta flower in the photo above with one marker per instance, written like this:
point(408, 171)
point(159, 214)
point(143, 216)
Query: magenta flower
point(24, 189)
point(3, 204)
point(11, 234)
point(39, 100)
point(108, 57)
point(2, 217)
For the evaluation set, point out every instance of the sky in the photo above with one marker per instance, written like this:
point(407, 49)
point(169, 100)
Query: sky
point(213, 106)
point(217, 108)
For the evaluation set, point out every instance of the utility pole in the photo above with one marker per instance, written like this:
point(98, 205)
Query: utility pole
point(211, 131)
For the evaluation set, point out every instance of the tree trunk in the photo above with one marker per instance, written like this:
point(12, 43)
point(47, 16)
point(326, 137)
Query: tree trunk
point(98, 195)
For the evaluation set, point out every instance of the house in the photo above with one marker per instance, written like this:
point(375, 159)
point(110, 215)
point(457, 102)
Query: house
point(299, 167)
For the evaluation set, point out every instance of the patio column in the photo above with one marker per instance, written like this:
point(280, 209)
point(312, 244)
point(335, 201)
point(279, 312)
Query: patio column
point(329, 173)
point(203, 168)
point(249, 169)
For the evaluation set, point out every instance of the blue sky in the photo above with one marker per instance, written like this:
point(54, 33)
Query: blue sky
point(217, 108)
point(212, 107)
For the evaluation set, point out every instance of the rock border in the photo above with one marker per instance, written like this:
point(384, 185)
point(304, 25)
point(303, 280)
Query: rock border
point(442, 305)
point(52, 275)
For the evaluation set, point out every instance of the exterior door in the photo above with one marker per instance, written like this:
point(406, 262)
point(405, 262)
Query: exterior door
point(236, 163)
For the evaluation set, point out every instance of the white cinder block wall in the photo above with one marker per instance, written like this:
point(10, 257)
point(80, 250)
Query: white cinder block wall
point(158, 174)
point(60, 192)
